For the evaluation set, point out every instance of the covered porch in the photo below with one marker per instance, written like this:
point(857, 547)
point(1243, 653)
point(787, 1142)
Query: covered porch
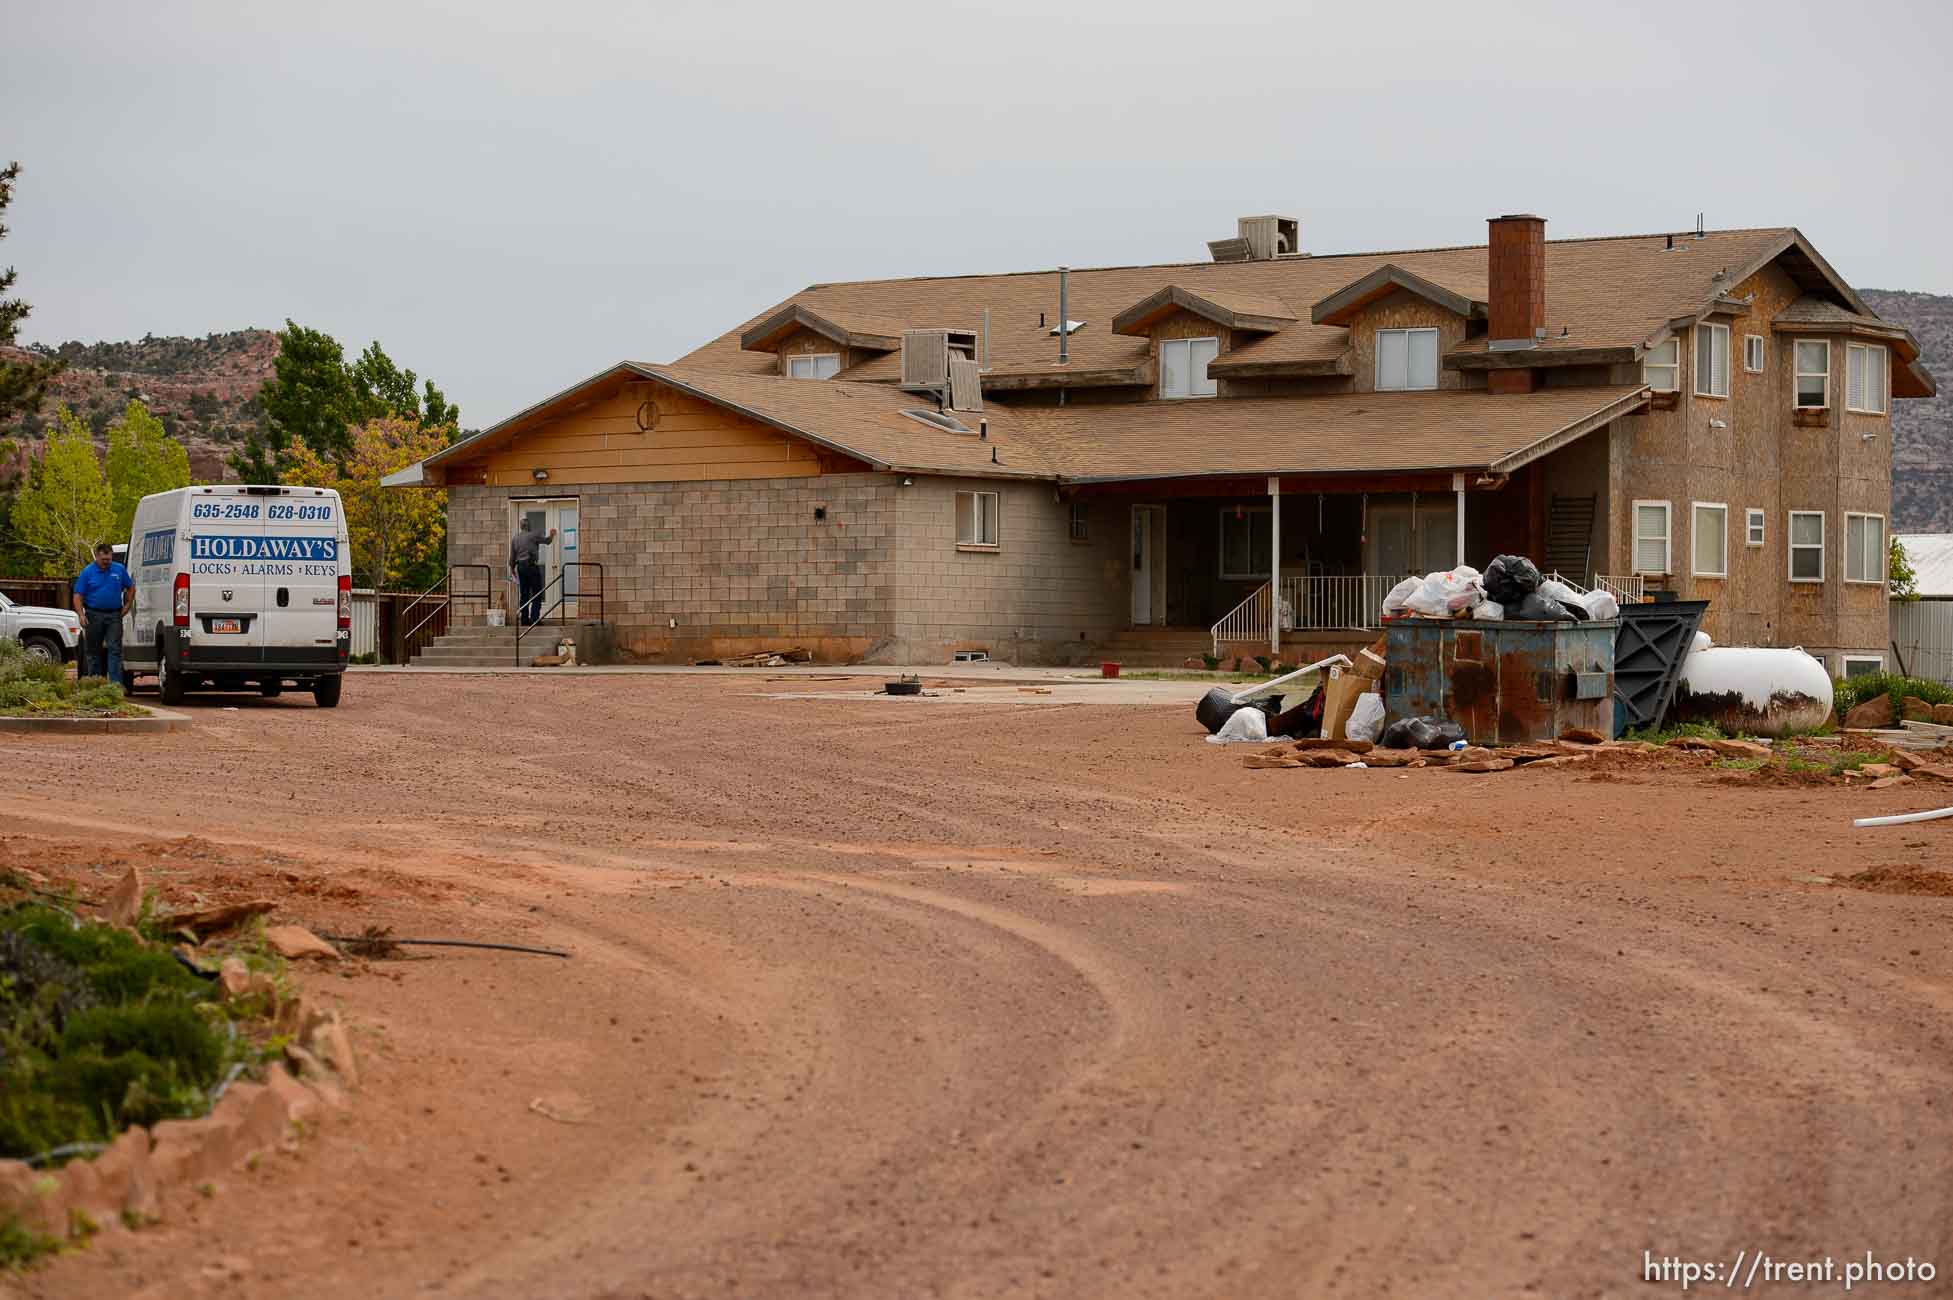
point(1290, 563)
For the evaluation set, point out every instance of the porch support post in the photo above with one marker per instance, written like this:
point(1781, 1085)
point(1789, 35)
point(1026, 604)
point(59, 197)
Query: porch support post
point(1274, 567)
point(1458, 486)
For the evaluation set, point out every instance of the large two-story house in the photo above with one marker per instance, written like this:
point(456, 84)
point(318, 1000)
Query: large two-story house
point(1232, 453)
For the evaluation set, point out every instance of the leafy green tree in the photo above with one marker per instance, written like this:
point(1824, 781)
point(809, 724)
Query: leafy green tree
point(65, 508)
point(142, 458)
point(1903, 583)
point(315, 399)
point(399, 535)
point(23, 384)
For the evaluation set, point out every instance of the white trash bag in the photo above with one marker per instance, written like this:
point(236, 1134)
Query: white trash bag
point(1394, 603)
point(1554, 589)
point(1600, 605)
point(1248, 723)
point(1365, 721)
point(1701, 642)
point(1489, 610)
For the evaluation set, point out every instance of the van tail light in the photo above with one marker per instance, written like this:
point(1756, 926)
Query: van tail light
point(181, 604)
point(345, 600)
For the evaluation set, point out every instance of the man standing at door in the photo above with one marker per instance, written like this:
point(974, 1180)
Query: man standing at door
point(525, 550)
point(103, 594)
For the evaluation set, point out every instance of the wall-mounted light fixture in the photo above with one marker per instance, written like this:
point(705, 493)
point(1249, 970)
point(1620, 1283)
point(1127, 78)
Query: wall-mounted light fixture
point(820, 514)
point(908, 482)
point(540, 475)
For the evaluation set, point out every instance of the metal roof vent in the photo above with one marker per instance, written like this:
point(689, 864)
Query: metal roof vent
point(939, 420)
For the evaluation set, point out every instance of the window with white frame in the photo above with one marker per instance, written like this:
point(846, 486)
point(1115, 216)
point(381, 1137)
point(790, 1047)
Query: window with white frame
point(1709, 538)
point(1081, 522)
point(1753, 353)
point(1753, 527)
point(1183, 367)
point(818, 365)
point(1712, 360)
point(976, 518)
point(1864, 548)
point(1866, 378)
point(1661, 369)
point(1247, 534)
point(1860, 665)
point(1807, 546)
point(1406, 359)
point(1813, 373)
point(1651, 537)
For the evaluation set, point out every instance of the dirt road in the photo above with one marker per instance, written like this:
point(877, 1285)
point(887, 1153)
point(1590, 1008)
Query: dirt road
point(1034, 1000)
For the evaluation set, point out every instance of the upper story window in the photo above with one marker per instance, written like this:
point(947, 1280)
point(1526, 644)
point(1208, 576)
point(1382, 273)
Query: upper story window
point(1866, 378)
point(1661, 369)
point(1651, 537)
point(1753, 353)
point(1406, 359)
point(1712, 360)
point(1807, 546)
point(820, 365)
point(1865, 554)
point(1183, 367)
point(1813, 373)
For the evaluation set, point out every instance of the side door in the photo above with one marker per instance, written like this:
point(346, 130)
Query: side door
point(301, 575)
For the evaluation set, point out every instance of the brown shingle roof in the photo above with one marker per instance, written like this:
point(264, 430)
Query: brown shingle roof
point(1615, 292)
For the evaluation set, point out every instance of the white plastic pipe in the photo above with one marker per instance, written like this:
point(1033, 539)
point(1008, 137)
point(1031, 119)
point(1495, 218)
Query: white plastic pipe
point(1242, 697)
point(1902, 819)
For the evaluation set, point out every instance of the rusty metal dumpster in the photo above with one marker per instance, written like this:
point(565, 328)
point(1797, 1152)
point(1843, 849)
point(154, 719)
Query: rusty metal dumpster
point(1503, 682)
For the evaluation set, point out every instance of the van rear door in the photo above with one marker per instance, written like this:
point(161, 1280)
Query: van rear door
point(227, 592)
point(301, 574)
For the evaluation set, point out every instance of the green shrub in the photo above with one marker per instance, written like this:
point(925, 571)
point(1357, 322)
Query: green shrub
point(1850, 692)
point(28, 686)
point(1212, 661)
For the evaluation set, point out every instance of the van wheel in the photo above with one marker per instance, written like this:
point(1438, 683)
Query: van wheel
point(42, 649)
point(169, 681)
point(326, 691)
point(271, 690)
point(128, 683)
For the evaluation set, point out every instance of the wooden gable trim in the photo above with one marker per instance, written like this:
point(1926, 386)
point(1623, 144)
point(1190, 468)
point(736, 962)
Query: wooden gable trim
point(1139, 318)
point(1343, 306)
point(767, 335)
point(1580, 428)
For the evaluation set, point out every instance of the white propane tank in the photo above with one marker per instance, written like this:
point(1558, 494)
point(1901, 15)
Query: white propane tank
point(1753, 689)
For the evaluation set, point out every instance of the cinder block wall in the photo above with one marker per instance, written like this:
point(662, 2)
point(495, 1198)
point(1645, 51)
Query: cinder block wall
point(1040, 597)
point(736, 565)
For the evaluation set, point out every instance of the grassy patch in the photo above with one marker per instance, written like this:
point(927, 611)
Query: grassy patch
point(1675, 731)
point(1850, 692)
point(30, 688)
point(98, 1031)
point(21, 1247)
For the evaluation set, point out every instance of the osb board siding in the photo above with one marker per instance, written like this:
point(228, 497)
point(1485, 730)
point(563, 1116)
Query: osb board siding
point(1039, 597)
point(1759, 459)
point(804, 342)
point(1185, 325)
point(720, 559)
point(1400, 310)
point(690, 441)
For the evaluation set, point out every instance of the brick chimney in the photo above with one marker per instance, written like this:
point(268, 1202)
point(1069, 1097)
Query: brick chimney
point(1516, 299)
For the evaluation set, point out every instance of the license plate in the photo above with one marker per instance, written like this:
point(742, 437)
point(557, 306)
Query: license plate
point(226, 625)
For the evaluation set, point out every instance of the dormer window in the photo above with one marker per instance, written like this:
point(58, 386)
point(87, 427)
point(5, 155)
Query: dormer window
point(1406, 359)
point(1183, 367)
point(819, 365)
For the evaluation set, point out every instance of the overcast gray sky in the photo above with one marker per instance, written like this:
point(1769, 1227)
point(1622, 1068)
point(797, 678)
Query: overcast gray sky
point(511, 196)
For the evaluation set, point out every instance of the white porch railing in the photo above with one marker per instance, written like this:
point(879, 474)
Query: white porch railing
point(1352, 602)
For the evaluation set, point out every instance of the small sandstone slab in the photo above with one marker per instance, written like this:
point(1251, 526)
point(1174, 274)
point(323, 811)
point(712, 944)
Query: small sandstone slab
point(1872, 714)
point(124, 902)
point(1483, 765)
point(1583, 736)
point(1324, 742)
point(295, 943)
point(1272, 760)
point(1916, 709)
point(1887, 782)
point(1740, 748)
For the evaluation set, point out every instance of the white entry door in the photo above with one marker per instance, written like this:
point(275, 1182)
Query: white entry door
point(563, 515)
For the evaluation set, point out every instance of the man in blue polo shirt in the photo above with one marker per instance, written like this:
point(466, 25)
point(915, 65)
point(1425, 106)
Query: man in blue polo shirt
point(103, 594)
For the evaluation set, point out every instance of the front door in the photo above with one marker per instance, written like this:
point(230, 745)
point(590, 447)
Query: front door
point(1411, 542)
point(1142, 566)
point(560, 576)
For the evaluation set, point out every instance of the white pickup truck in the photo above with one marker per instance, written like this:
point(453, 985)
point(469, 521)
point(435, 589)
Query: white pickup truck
point(50, 634)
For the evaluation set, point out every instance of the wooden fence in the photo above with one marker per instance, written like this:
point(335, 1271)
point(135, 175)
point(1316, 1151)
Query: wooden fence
point(37, 591)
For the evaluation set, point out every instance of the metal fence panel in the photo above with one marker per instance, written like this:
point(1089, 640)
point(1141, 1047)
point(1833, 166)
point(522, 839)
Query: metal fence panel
point(1922, 630)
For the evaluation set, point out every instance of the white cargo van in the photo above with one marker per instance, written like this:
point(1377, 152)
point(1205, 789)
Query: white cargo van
point(240, 586)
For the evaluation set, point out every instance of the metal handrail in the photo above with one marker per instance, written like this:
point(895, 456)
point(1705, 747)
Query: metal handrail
point(1247, 621)
point(565, 595)
point(448, 596)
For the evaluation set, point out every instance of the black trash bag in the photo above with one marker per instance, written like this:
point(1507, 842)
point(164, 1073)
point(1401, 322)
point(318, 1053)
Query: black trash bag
point(1214, 708)
point(1421, 733)
point(1509, 579)
point(1543, 609)
point(1305, 719)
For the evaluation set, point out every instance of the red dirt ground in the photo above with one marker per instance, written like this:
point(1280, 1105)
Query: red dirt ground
point(943, 998)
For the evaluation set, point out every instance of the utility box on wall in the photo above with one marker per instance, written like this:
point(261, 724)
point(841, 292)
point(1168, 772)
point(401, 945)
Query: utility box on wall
point(1503, 682)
